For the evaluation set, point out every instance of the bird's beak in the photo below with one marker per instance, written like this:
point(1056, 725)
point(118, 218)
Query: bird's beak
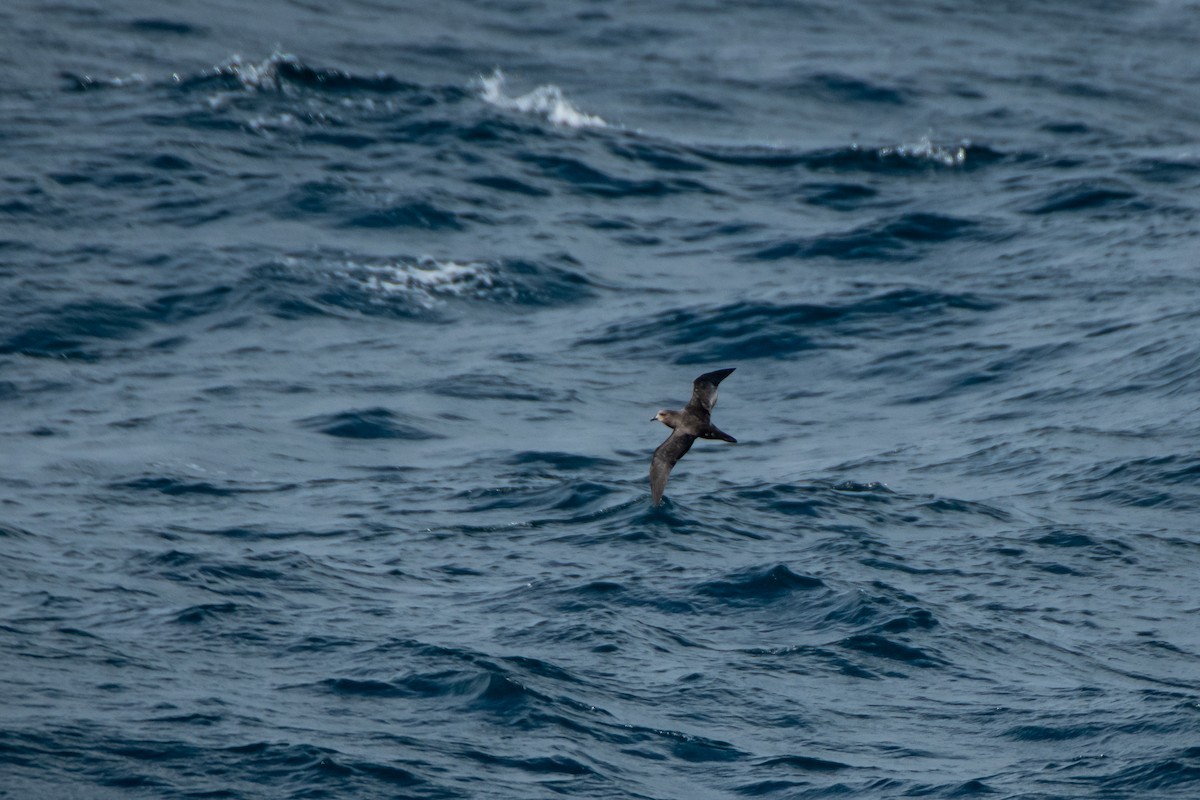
point(654, 418)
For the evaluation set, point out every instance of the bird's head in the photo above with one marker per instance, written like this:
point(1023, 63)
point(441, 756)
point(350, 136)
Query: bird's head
point(666, 418)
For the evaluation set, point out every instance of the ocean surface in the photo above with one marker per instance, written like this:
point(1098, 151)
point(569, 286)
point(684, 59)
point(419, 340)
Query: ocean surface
point(331, 334)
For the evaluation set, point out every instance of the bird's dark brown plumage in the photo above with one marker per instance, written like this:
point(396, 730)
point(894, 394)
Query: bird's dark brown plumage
point(693, 421)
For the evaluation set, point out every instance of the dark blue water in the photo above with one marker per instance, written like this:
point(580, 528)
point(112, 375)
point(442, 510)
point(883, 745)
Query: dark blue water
point(330, 335)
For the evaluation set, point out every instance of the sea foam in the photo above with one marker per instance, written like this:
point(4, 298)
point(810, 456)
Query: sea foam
point(545, 101)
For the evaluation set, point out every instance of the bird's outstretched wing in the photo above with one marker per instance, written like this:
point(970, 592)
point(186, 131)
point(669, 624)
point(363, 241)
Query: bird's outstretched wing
point(704, 390)
point(665, 457)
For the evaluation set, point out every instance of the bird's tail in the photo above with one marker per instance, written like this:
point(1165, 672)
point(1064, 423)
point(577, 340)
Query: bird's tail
point(713, 432)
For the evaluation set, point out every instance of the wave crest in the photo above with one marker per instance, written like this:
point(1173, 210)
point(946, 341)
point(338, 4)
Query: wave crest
point(545, 101)
point(409, 287)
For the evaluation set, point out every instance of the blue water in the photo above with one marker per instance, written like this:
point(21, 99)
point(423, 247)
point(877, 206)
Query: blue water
point(330, 335)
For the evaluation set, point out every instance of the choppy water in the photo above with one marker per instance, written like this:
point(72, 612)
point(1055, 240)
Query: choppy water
point(330, 336)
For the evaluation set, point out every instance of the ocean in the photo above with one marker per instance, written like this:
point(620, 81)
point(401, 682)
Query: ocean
point(331, 335)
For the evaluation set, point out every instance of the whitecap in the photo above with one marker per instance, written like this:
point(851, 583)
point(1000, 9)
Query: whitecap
point(257, 76)
point(423, 286)
point(426, 281)
point(954, 156)
point(546, 101)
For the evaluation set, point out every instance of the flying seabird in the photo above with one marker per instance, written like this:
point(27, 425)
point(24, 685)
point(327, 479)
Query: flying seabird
point(689, 423)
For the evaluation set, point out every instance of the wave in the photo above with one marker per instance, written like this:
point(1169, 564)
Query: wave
point(158, 25)
point(77, 330)
point(1176, 771)
point(350, 207)
point(570, 462)
point(1084, 196)
point(882, 647)
point(1170, 482)
point(279, 71)
point(283, 95)
point(85, 82)
point(1169, 171)
point(804, 763)
point(112, 763)
point(486, 386)
point(758, 585)
point(839, 88)
point(924, 154)
point(584, 178)
point(1011, 364)
point(176, 487)
point(238, 79)
point(417, 214)
point(323, 283)
point(583, 498)
point(369, 423)
point(924, 151)
point(890, 239)
point(546, 101)
point(751, 330)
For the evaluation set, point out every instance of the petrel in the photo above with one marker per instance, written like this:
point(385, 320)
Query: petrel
point(689, 423)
